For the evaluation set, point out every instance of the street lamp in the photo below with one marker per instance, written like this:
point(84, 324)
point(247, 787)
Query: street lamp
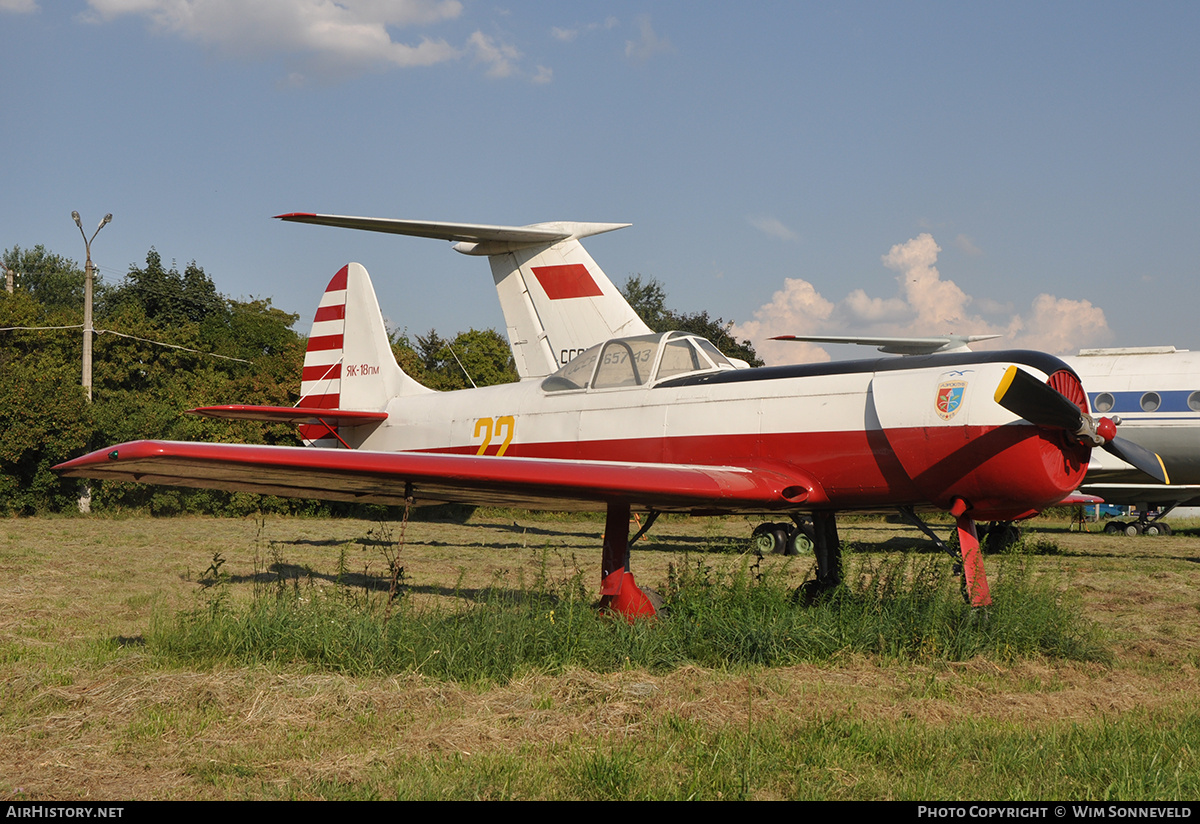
point(87, 300)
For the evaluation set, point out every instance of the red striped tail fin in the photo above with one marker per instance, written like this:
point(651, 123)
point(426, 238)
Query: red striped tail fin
point(349, 362)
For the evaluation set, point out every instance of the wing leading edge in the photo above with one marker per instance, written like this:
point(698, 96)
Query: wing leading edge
point(429, 477)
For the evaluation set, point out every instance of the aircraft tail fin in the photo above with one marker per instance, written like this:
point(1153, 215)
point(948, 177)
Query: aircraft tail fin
point(556, 300)
point(349, 363)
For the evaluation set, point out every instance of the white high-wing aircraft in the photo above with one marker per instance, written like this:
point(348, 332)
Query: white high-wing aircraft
point(657, 421)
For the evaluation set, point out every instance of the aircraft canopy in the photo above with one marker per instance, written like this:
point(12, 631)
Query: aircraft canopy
point(637, 361)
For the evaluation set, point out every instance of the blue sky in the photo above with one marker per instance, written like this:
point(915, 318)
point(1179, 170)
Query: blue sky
point(1031, 169)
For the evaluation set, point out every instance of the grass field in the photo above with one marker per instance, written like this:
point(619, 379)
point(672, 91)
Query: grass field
point(99, 701)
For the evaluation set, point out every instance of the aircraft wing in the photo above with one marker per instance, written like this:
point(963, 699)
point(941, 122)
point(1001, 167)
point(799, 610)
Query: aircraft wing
point(897, 345)
point(430, 477)
point(1138, 494)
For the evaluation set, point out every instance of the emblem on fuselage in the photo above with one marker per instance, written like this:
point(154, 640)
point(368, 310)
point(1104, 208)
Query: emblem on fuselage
point(949, 398)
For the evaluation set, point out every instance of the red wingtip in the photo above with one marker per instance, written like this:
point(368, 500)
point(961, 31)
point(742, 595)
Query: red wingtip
point(295, 215)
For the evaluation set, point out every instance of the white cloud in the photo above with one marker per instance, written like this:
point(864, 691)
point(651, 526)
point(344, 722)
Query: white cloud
point(570, 35)
point(967, 246)
point(500, 58)
point(19, 6)
point(772, 226)
point(351, 35)
point(926, 305)
point(648, 43)
point(543, 75)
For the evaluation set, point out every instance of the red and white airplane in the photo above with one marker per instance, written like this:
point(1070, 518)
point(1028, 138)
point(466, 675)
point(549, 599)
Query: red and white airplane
point(662, 422)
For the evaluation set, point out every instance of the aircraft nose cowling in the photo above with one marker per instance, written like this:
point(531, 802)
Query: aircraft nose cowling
point(1004, 473)
point(966, 446)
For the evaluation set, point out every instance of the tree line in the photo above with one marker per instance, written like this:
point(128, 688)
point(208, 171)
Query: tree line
point(167, 342)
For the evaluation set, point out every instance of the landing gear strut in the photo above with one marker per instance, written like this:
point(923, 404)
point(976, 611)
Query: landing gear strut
point(618, 592)
point(828, 551)
point(969, 560)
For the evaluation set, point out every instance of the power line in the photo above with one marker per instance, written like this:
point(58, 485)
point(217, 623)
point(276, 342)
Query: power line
point(123, 335)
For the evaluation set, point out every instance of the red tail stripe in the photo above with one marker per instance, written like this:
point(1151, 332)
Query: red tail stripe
point(324, 343)
point(314, 432)
point(339, 280)
point(321, 372)
point(335, 312)
point(326, 401)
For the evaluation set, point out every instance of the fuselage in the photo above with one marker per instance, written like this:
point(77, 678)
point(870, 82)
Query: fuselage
point(1156, 393)
point(872, 433)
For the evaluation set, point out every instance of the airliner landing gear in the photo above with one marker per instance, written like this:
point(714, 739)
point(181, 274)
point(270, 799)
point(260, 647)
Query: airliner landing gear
point(1148, 523)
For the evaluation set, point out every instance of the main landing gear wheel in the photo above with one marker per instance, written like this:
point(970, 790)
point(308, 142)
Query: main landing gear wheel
point(999, 536)
point(801, 540)
point(783, 539)
point(770, 539)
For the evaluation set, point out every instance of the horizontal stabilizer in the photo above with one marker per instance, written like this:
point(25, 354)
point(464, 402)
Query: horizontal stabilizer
point(290, 414)
point(898, 346)
point(517, 236)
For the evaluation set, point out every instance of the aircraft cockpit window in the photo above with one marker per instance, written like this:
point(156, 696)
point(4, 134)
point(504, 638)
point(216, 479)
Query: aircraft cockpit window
point(626, 362)
point(575, 374)
point(713, 352)
point(680, 357)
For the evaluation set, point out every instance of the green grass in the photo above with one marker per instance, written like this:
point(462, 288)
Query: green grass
point(835, 757)
point(722, 615)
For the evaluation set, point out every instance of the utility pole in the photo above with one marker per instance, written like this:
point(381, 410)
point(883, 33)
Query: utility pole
point(85, 498)
point(87, 300)
point(9, 276)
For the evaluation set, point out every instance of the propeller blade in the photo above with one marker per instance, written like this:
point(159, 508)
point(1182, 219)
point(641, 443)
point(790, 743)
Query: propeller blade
point(1144, 459)
point(1022, 394)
